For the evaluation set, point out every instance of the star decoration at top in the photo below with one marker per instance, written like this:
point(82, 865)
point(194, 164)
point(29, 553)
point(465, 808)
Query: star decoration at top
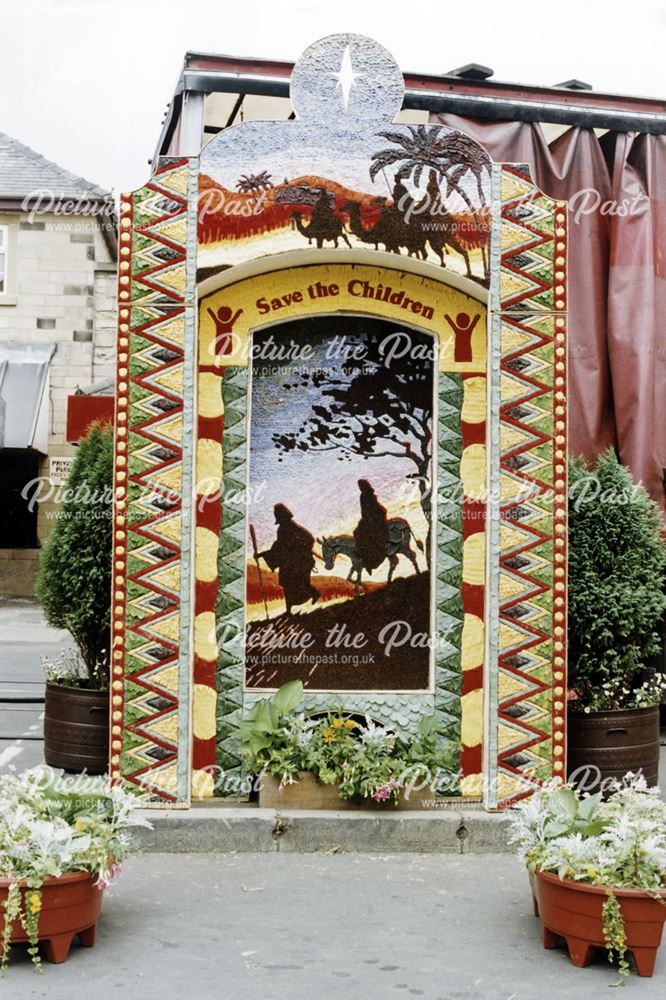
point(346, 78)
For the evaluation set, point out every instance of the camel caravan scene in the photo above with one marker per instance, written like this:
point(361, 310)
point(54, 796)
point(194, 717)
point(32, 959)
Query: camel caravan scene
point(422, 192)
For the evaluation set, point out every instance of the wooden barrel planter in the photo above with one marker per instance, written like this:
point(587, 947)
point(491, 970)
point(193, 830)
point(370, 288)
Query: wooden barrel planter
point(76, 729)
point(613, 742)
point(71, 905)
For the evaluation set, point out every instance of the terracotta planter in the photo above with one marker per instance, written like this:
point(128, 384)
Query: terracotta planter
point(308, 793)
point(614, 742)
point(76, 729)
point(71, 905)
point(572, 911)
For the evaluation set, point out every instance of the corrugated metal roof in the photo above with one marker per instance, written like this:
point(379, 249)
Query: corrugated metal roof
point(23, 171)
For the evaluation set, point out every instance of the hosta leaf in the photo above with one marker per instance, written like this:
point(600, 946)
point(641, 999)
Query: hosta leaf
point(555, 828)
point(288, 696)
point(564, 804)
point(587, 807)
point(266, 719)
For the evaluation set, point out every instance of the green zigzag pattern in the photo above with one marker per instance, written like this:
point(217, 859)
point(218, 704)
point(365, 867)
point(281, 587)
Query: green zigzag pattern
point(449, 614)
point(231, 570)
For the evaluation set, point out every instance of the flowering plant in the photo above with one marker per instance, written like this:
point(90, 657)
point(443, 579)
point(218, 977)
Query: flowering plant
point(620, 843)
point(51, 825)
point(366, 760)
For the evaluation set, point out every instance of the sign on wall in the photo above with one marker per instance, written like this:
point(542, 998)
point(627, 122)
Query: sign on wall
point(59, 466)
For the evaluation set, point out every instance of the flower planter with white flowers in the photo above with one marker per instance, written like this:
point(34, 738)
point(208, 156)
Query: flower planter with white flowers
point(62, 841)
point(334, 760)
point(597, 870)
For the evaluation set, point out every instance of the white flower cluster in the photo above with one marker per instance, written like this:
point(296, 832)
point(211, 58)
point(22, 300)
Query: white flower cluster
point(301, 728)
point(376, 736)
point(620, 842)
point(51, 824)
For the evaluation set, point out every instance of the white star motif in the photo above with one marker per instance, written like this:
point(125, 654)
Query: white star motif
point(346, 78)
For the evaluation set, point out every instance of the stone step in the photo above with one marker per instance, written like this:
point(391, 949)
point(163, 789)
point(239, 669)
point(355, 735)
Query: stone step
point(226, 828)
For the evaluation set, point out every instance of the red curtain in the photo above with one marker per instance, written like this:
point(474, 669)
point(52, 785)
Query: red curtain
point(616, 189)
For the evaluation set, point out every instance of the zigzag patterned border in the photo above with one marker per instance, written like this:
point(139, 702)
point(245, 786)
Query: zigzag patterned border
point(528, 730)
point(150, 683)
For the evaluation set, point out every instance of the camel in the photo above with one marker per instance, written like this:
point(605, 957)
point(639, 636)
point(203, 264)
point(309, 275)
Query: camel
point(332, 232)
point(324, 226)
point(390, 229)
point(445, 236)
point(441, 228)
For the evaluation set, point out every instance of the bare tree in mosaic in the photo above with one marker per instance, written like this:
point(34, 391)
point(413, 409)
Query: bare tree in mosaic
point(374, 410)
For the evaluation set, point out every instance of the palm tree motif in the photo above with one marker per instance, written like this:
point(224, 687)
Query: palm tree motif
point(444, 155)
point(254, 183)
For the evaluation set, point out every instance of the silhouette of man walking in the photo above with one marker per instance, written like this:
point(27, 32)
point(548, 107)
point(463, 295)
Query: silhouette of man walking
point(291, 554)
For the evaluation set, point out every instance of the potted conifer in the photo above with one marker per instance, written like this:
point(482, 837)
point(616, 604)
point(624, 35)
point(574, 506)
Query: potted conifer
point(617, 562)
point(74, 587)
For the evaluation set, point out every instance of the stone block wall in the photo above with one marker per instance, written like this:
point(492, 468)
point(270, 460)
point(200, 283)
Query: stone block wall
point(61, 289)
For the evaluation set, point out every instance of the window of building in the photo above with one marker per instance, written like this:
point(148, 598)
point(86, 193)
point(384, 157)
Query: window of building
point(4, 239)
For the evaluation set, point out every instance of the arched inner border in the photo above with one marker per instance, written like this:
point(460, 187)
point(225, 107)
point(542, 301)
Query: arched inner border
point(238, 296)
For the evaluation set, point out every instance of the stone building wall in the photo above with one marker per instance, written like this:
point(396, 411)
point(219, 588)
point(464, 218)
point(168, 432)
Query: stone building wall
point(61, 289)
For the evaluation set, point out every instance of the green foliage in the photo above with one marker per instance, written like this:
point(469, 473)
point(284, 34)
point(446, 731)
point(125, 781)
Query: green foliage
point(615, 935)
point(263, 727)
point(617, 562)
point(52, 825)
point(74, 583)
point(616, 844)
point(365, 760)
point(567, 814)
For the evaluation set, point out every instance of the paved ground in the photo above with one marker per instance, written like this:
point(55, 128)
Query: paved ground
point(24, 640)
point(290, 926)
point(300, 927)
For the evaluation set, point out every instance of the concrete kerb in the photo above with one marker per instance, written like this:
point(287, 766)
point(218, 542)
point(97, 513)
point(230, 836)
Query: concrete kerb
point(242, 829)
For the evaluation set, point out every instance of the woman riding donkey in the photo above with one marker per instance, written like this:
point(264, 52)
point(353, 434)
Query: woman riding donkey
point(371, 534)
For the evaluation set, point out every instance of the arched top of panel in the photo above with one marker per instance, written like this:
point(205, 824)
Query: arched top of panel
point(344, 175)
point(274, 263)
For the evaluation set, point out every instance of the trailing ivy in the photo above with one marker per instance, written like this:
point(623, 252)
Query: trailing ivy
point(616, 844)
point(615, 934)
point(52, 825)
